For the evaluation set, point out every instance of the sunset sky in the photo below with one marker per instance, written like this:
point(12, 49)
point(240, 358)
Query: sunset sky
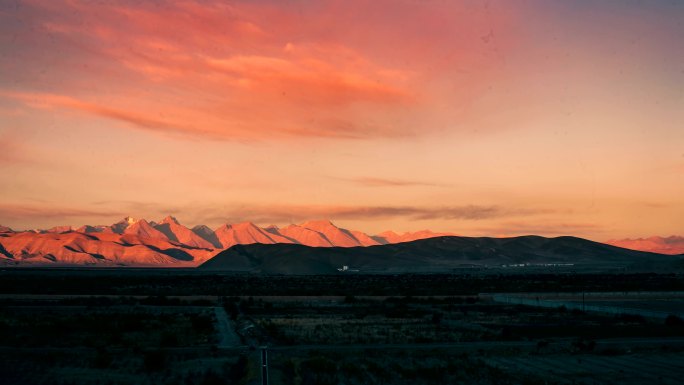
point(474, 117)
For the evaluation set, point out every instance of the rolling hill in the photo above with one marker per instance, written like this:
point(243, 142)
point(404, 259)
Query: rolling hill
point(441, 254)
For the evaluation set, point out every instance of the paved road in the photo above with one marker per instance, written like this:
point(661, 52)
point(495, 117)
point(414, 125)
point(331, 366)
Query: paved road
point(228, 338)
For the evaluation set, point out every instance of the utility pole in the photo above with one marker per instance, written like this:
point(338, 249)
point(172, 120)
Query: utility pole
point(264, 365)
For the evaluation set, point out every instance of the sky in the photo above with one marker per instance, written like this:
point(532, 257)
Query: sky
point(493, 118)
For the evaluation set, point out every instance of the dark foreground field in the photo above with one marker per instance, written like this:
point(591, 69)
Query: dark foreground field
point(174, 282)
point(183, 327)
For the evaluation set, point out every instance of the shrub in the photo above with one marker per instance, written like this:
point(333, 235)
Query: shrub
point(168, 339)
point(103, 359)
point(674, 321)
point(154, 360)
point(350, 299)
point(202, 323)
point(239, 369)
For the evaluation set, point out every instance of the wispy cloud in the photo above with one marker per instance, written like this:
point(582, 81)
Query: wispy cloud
point(23, 211)
point(389, 182)
point(104, 212)
point(541, 227)
point(296, 213)
point(148, 210)
point(53, 101)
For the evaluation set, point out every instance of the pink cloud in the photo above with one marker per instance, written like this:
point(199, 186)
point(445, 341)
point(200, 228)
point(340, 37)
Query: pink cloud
point(51, 101)
point(249, 70)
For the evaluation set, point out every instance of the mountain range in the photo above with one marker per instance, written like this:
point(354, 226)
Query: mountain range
point(672, 245)
point(132, 242)
point(313, 246)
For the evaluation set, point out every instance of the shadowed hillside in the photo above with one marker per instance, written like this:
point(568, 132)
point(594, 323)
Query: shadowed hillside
point(433, 255)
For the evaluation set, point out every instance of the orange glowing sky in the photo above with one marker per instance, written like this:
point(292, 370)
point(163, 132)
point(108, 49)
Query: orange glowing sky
point(474, 117)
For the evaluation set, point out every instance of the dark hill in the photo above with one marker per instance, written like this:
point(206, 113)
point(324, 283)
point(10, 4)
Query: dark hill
point(441, 254)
